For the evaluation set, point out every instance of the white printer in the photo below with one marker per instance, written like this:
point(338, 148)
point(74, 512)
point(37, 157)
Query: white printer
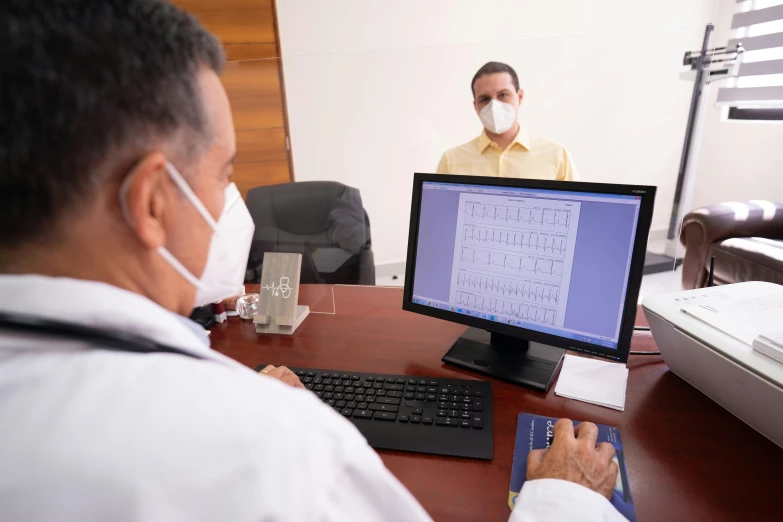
point(707, 351)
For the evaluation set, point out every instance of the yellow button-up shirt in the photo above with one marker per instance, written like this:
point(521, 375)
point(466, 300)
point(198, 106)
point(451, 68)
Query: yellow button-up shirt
point(525, 157)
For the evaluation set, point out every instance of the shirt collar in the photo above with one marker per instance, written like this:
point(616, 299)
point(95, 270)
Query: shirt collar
point(89, 303)
point(521, 138)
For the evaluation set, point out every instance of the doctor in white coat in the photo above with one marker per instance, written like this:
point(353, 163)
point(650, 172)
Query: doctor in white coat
point(117, 216)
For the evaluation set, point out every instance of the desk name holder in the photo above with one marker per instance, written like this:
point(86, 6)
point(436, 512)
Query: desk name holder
point(278, 311)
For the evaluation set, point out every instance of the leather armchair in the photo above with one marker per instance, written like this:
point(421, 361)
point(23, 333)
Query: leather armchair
point(745, 238)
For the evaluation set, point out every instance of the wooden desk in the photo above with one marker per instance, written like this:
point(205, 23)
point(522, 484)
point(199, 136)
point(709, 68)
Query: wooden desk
point(688, 459)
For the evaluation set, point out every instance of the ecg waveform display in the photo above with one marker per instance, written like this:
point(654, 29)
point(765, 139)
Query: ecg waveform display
point(536, 267)
point(539, 218)
point(529, 291)
point(544, 243)
point(521, 311)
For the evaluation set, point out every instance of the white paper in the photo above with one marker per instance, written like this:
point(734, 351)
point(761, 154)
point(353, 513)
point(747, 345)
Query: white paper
point(591, 380)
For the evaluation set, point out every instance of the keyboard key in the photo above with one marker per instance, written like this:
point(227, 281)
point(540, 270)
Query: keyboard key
point(418, 411)
point(447, 421)
point(335, 376)
point(432, 390)
point(467, 399)
point(340, 404)
point(431, 396)
point(433, 383)
point(319, 394)
point(412, 381)
point(328, 395)
point(366, 414)
point(350, 389)
point(464, 423)
point(426, 419)
point(420, 396)
point(383, 407)
point(379, 379)
point(311, 374)
point(456, 391)
point(300, 373)
point(307, 380)
point(370, 399)
point(423, 382)
point(325, 376)
point(319, 387)
point(309, 386)
point(454, 398)
point(443, 405)
point(395, 387)
point(478, 405)
point(453, 413)
point(344, 376)
point(318, 380)
point(387, 400)
point(443, 398)
point(330, 402)
point(478, 422)
point(347, 412)
point(349, 396)
point(339, 388)
point(478, 393)
point(355, 377)
point(465, 415)
point(402, 418)
point(381, 393)
point(442, 413)
point(409, 395)
point(384, 415)
point(415, 419)
point(337, 409)
point(327, 380)
point(453, 405)
point(360, 397)
point(328, 387)
point(363, 406)
point(395, 394)
point(421, 389)
point(378, 385)
point(339, 396)
point(370, 379)
point(444, 391)
point(352, 405)
point(465, 407)
point(371, 392)
point(400, 381)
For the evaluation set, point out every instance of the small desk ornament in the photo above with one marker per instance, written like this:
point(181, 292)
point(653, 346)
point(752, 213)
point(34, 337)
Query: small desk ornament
point(278, 311)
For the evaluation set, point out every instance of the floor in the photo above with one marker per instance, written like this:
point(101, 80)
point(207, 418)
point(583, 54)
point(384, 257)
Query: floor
point(652, 284)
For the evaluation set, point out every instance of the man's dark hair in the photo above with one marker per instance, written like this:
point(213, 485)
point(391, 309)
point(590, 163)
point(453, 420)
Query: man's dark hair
point(492, 68)
point(84, 86)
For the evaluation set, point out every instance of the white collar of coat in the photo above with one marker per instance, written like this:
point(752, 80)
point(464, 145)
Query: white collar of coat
point(89, 303)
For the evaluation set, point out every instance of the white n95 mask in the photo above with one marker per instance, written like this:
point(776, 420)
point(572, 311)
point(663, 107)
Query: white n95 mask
point(232, 235)
point(498, 117)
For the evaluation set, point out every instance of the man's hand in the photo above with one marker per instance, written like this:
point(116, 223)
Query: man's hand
point(575, 457)
point(284, 374)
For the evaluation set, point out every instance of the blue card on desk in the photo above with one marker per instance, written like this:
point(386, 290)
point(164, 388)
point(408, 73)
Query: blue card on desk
point(535, 432)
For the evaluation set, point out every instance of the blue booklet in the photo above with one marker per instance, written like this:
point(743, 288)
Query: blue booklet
point(535, 432)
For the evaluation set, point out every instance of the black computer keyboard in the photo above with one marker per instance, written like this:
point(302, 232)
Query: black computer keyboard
point(401, 412)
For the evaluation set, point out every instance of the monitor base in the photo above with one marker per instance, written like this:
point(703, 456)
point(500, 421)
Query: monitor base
point(516, 360)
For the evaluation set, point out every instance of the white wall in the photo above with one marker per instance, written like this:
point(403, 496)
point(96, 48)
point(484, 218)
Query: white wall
point(377, 90)
point(739, 160)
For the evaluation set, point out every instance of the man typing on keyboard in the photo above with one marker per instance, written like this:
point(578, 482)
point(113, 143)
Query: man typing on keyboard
point(118, 215)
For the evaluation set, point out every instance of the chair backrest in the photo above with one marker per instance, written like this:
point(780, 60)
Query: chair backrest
point(306, 216)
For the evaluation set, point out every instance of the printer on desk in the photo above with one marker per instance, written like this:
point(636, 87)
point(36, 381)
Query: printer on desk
point(714, 353)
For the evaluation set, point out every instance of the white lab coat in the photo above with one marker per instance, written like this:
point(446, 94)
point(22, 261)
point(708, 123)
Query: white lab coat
point(93, 435)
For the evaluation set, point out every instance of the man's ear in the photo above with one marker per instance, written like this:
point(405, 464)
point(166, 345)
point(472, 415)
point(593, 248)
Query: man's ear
point(521, 96)
point(148, 194)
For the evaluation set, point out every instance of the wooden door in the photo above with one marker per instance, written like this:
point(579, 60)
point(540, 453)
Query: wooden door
point(254, 83)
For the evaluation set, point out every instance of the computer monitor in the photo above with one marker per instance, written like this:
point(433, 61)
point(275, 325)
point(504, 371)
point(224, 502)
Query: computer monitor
point(535, 267)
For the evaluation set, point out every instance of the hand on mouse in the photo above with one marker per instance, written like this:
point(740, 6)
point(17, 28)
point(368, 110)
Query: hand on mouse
point(283, 374)
point(574, 456)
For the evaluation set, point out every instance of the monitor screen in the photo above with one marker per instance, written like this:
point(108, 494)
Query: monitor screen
point(552, 261)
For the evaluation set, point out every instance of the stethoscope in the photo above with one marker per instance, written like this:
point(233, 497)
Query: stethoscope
point(97, 337)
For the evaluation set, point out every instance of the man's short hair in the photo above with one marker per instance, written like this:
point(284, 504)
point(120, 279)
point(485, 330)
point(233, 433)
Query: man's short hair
point(88, 85)
point(493, 68)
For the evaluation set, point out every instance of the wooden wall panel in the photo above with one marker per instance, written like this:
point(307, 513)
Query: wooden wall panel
point(252, 79)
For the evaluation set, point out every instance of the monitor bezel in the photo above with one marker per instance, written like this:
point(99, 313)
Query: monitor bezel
point(647, 195)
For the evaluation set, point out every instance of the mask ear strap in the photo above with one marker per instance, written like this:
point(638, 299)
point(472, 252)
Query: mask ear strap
point(183, 186)
point(180, 268)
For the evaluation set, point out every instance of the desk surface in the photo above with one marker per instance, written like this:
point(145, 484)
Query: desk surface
point(688, 459)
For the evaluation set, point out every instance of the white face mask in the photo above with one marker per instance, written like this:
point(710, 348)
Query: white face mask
point(228, 249)
point(498, 117)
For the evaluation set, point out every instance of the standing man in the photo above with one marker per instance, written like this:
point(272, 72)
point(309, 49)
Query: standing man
point(503, 148)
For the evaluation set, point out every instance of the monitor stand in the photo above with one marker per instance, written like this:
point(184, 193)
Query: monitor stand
point(505, 357)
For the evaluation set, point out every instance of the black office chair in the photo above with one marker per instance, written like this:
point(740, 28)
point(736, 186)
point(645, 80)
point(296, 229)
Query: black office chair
point(322, 220)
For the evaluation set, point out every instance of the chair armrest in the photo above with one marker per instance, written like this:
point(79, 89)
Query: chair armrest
point(707, 225)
